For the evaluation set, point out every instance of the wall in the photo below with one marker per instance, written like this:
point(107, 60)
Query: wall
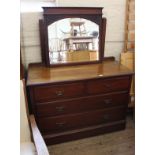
point(31, 12)
point(30, 43)
point(114, 11)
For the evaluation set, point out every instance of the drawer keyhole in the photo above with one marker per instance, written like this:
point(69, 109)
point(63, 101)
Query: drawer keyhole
point(59, 93)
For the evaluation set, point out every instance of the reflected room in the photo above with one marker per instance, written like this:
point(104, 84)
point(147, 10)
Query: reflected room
point(73, 40)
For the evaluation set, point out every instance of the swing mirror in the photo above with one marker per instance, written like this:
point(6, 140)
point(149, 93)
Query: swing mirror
point(72, 36)
point(75, 41)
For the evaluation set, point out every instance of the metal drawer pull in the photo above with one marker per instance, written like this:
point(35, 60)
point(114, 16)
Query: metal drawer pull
point(60, 109)
point(61, 124)
point(106, 117)
point(108, 101)
point(59, 93)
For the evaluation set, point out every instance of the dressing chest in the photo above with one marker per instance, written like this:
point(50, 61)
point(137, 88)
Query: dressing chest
point(72, 102)
point(74, 92)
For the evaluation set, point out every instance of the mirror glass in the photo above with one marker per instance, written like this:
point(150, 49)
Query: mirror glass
point(72, 40)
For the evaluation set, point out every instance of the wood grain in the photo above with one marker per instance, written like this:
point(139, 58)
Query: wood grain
point(81, 104)
point(63, 123)
point(116, 143)
point(39, 74)
point(62, 86)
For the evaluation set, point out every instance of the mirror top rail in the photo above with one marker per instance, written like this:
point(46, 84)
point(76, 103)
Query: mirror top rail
point(72, 10)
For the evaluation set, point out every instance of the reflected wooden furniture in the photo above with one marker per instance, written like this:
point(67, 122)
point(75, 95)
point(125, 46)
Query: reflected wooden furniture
point(72, 56)
point(80, 25)
point(28, 129)
point(83, 41)
point(82, 56)
point(74, 102)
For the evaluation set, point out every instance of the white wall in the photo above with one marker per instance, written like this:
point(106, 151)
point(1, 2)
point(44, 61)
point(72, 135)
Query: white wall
point(30, 39)
point(114, 11)
point(31, 12)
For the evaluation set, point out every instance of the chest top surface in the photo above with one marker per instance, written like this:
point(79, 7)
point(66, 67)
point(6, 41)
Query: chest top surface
point(39, 74)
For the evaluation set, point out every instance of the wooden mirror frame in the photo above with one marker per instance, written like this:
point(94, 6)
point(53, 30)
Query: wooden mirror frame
point(53, 14)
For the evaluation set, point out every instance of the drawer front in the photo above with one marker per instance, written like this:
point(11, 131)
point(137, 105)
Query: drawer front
point(68, 122)
point(108, 85)
point(81, 104)
point(55, 92)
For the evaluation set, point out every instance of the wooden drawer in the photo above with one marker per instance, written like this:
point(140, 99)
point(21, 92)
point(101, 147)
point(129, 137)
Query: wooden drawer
point(68, 122)
point(55, 92)
point(108, 85)
point(81, 104)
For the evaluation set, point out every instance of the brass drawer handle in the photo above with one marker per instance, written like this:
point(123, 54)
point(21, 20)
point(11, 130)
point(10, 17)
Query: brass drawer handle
point(60, 109)
point(61, 124)
point(106, 117)
point(108, 101)
point(59, 93)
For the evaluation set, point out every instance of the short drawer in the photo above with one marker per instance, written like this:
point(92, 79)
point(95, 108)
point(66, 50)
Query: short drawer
point(108, 85)
point(55, 92)
point(81, 104)
point(75, 121)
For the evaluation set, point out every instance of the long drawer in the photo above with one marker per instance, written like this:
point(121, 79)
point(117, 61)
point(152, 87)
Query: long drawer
point(47, 93)
point(68, 122)
point(108, 85)
point(81, 104)
point(56, 92)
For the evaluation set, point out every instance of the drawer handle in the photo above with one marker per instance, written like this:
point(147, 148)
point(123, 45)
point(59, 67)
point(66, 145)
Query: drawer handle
point(59, 93)
point(106, 117)
point(61, 124)
point(60, 109)
point(108, 101)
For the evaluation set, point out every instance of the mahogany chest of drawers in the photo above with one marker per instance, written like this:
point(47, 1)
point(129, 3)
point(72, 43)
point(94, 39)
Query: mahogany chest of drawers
point(81, 101)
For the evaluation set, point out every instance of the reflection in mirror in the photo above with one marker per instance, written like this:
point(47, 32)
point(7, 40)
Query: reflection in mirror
point(73, 40)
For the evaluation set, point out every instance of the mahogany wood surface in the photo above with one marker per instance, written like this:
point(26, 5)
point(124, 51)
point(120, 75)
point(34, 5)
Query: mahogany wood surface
point(53, 14)
point(80, 120)
point(73, 102)
point(81, 104)
point(42, 40)
point(84, 132)
point(38, 74)
point(108, 85)
point(55, 92)
point(73, 10)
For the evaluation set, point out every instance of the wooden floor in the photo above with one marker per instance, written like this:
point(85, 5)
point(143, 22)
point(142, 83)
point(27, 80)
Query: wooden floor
point(116, 143)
